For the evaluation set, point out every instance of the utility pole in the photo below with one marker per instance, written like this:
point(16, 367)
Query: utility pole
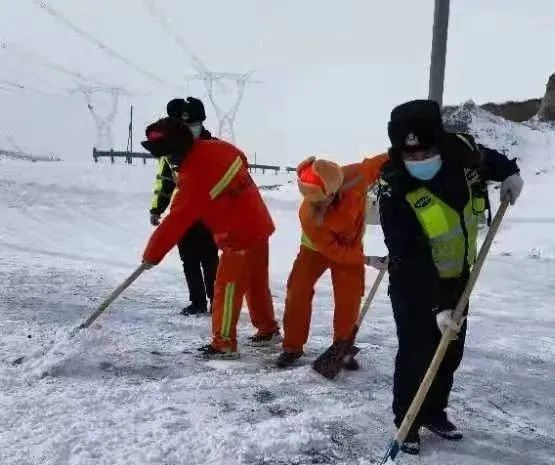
point(130, 138)
point(439, 50)
point(131, 131)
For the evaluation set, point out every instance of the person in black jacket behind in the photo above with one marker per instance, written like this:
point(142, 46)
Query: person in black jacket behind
point(431, 197)
point(197, 248)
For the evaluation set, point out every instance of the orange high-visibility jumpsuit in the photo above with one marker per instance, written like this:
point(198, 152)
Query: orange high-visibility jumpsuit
point(214, 186)
point(333, 242)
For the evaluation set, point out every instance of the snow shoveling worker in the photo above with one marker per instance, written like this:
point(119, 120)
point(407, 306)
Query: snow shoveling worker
point(197, 249)
point(215, 187)
point(333, 218)
point(432, 196)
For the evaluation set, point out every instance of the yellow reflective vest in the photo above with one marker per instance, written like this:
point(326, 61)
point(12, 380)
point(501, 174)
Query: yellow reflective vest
point(453, 237)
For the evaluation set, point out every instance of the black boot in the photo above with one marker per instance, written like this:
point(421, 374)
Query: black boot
point(444, 428)
point(210, 353)
point(287, 359)
point(193, 309)
point(411, 444)
point(350, 363)
point(265, 339)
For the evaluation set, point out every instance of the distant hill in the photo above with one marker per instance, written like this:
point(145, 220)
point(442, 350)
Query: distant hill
point(512, 111)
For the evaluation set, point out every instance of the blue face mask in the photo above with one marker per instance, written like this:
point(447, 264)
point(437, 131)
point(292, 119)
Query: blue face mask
point(424, 169)
point(196, 129)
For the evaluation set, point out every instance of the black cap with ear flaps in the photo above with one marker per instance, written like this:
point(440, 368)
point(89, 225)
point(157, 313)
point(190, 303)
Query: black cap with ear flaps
point(415, 125)
point(190, 110)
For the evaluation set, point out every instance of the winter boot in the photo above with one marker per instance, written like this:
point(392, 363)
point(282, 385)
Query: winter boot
point(350, 362)
point(287, 359)
point(211, 353)
point(265, 339)
point(194, 309)
point(444, 428)
point(411, 444)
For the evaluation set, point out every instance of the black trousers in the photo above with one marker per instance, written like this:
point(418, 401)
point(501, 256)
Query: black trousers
point(418, 337)
point(199, 255)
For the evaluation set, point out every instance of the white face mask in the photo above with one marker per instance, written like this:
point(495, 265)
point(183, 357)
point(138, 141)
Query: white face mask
point(196, 129)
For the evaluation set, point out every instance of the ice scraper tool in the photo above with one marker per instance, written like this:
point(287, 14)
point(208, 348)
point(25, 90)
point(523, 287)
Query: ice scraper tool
point(329, 364)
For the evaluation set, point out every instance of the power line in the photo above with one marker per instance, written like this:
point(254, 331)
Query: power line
point(46, 63)
point(12, 84)
point(18, 86)
point(168, 27)
point(98, 43)
point(12, 142)
point(32, 56)
point(154, 11)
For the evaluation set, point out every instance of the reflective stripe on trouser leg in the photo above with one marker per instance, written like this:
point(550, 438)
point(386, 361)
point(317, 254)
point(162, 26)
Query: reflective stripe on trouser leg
point(227, 316)
point(259, 297)
point(229, 290)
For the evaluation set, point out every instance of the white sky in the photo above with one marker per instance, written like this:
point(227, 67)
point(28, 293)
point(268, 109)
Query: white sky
point(331, 70)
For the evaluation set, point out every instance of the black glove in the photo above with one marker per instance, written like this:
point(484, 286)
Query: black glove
point(154, 219)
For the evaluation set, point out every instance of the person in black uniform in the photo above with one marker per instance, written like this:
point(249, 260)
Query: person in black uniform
point(432, 195)
point(197, 248)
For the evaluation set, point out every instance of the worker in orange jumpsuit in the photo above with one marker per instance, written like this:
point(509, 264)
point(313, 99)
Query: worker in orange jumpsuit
point(332, 215)
point(214, 186)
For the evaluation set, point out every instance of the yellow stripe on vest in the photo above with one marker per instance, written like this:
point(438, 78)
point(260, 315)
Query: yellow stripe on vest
point(226, 178)
point(227, 317)
point(305, 240)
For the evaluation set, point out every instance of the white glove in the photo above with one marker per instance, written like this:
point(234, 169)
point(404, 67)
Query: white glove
point(380, 263)
point(444, 320)
point(511, 188)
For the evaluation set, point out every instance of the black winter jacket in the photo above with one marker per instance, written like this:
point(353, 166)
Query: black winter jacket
point(411, 267)
point(165, 182)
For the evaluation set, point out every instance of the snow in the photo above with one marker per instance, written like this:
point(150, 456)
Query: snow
point(72, 232)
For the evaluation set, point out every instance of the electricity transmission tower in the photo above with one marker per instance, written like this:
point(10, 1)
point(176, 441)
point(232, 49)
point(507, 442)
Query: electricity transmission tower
point(214, 82)
point(104, 122)
point(226, 117)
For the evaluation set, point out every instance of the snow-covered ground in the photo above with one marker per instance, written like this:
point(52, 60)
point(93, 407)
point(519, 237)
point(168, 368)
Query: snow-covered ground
point(129, 390)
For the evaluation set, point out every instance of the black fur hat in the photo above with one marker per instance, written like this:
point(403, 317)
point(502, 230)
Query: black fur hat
point(415, 125)
point(190, 110)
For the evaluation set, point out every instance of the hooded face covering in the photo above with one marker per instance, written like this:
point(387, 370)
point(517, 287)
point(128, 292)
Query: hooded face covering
point(424, 169)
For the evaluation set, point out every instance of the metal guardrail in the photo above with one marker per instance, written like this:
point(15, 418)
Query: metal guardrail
point(16, 155)
point(113, 154)
point(130, 156)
